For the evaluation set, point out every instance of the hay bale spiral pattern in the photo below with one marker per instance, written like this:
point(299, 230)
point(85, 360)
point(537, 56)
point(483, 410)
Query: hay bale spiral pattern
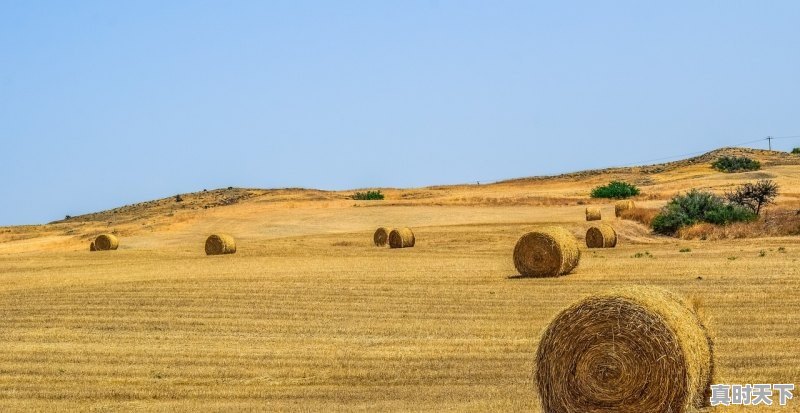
point(622, 206)
point(601, 236)
point(593, 214)
point(106, 242)
point(548, 252)
point(401, 238)
point(633, 350)
point(381, 236)
point(218, 244)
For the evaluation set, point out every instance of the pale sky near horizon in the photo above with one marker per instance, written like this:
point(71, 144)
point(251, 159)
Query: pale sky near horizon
point(104, 104)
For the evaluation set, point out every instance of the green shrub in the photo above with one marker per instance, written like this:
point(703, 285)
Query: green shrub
point(697, 206)
point(796, 151)
point(615, 189)
point(368, 196)
point(736, 164)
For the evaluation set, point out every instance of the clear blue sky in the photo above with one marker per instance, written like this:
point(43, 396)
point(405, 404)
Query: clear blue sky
point(110, 102)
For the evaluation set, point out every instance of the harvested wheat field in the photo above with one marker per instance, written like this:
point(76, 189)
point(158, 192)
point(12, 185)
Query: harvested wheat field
point(308, 315)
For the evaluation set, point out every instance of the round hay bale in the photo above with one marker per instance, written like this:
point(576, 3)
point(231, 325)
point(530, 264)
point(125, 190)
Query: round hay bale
point(623, 205)
point(637, 349)
point(218, 244)
point(401, 238)
point(106, 242)
point(548, 252)
point(601, 236)
point(593, 213)
point(381, 236)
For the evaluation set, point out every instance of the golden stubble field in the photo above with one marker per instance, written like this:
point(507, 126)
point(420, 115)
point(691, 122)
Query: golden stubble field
point(309, 316)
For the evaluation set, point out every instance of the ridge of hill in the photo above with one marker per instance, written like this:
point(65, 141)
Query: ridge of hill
point(223, 197)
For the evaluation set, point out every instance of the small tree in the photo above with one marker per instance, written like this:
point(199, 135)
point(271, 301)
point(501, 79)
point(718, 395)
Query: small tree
point(736, 164)
point(754, 195)
point(368, 196)
point(615, 189)
point(796, 151)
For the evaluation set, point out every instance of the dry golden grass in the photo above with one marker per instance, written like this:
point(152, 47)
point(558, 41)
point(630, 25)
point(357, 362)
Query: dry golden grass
point(309, 315)
point(643, 216)
point(293, 322)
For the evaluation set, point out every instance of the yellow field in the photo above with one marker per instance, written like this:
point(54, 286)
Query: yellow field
point(309, 315)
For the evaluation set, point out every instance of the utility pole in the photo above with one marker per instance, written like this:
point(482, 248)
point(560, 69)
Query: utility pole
point(769, 141)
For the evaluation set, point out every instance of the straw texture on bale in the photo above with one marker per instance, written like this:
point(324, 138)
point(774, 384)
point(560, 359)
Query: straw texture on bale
point(593, 214)
point(219, 244)
point(381, 236)
point(623, 205)
point(401, 238)
point(632, 350)
point(549, 252)
point(601, 236)
point(92, 247)
point(106, 242)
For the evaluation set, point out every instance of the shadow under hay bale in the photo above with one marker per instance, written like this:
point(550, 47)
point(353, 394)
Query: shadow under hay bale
point(622, 206)
point(601, 236)
point(218, 244)
point(381, 236)
point(636, 349)
point(548, 252)
point(92, 247)
point(401, 238)
point(593, 214)
point(106, 242)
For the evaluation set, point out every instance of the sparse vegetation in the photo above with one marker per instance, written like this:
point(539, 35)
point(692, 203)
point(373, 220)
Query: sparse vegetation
point(641, 215)
point(776, 223)
point(754, 196)
point(732, 164)
point(698, 206)
point(685, 250)
point(368, 196)
point(178, 198)
point(615, 190)
point(796, 151)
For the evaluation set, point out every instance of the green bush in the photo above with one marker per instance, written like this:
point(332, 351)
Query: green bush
point(615, 189)
point(697, 206)
point(796, 151)
point(368, 196)
point(736, 164)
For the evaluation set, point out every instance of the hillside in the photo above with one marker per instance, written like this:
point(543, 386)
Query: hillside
point(272, 213)
point(309, 314)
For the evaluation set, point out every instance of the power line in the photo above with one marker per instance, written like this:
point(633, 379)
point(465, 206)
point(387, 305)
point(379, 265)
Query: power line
point(687, 154)
point(769, 140)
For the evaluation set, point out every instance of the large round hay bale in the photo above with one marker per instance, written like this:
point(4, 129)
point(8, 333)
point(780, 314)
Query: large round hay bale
point(623, 205)
point(401, 238)
point(381, 236)
point(593, 214)
point(637, 349)
point(548, 252)
point(601, 236)
point(106, 242)
point(218, 244)
point(92, 247)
